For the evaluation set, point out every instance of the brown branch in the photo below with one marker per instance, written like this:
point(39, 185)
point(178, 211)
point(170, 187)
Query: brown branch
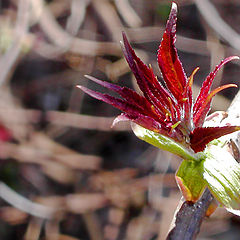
point(85, 121)
point(128, 13)
point(62, 41)
point(190, 216)
point(8, 60)
point(24, 204)
point(210, 14)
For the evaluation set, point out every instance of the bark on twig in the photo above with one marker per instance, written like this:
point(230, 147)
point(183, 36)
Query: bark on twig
point(189, 216)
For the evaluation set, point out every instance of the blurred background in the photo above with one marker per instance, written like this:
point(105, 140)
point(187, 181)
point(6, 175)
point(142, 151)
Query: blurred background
point(64, 172)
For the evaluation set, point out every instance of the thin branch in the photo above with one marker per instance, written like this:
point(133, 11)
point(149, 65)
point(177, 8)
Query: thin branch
point(85, 121)
point(189, 218)
point(111, 20)
point(24, 204)
point(8, 60)
point(128, 13)
point(63, 41)
point(213, 18)
point(76, 18)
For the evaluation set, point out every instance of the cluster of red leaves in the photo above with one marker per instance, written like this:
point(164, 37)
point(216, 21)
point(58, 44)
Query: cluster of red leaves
point(169, 109)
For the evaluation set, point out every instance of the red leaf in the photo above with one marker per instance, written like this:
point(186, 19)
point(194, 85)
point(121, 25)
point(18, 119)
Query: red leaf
point(116, 102)
point(199, 115)
point(148, 83)
point(166, 109)
point(168, 60)
point(200, 137)
point(150, 120)
point(128, 94)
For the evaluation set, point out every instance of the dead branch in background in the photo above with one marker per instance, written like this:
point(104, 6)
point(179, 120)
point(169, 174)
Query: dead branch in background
point(8, 60)
point(213, 18)
point(65, 42)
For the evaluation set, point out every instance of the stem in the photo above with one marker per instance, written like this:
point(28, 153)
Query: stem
point(189, 218)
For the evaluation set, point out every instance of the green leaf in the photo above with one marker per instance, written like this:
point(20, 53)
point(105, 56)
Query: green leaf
point(166, 143)
point(190, 180)
point(219, 171)
point(222, 174)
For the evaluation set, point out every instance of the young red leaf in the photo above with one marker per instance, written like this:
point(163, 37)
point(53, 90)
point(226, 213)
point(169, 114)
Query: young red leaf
point(128, 94)
point(116, 102)
point(200, 137)
point(168, 60)
point(147, 81)
point(200, 115)
point(133, 112)
point(198, 118)
point(167, 110)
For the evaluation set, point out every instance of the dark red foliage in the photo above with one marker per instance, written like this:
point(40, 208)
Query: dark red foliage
point(167, 110)
point(200, 136)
